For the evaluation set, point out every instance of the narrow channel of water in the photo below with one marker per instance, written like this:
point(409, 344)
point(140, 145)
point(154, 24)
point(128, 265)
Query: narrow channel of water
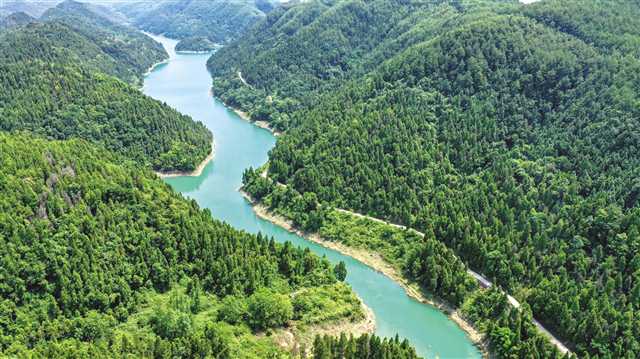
point(184, 83)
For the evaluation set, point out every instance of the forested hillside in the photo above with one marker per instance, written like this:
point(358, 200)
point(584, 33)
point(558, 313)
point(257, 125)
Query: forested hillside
point(300, 52)
point(54, 42)
point(507, 132)
point(127, 46)
point(54, 82)
point(196, 43)
point(219, 21)
point(102, 259)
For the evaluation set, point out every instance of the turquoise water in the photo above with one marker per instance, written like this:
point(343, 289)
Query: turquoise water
point(184, 84)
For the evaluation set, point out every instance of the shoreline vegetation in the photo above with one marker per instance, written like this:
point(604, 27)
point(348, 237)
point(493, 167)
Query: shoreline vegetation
point(196, 172)
point(165, 61)
point(376, 262)
point(245, 116)
point(296, 338)
point(153, 67)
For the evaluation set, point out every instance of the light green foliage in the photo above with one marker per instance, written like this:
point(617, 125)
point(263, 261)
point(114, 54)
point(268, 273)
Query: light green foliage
point(170, 324)
point(326, 303)
point(233, 310)
point(268, 309)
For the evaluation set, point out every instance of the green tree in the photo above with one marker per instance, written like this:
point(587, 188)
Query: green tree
point(268, 309)
point(340, 270)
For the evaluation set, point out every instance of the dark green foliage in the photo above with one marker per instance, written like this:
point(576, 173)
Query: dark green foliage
point(424, 260)
point(611, 25)
point(195, 291)
point(511, 332)
point(196, 43)
point(437, 269)
point(81, 238)
point(363, 347)
point(340, 270)
point(304, 211)
point(51, 84)
point(57, 43)
point(217, 21)
point(508, 132)
point(297, 53)
point(127, 46)
point(202, 343)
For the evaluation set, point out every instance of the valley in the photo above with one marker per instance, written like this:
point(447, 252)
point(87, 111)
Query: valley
point(183, 83)
point(327, 179)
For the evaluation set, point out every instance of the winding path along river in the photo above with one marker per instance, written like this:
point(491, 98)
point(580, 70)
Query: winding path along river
point(184, 83)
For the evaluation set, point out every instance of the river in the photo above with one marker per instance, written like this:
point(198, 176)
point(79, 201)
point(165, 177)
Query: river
point(184, 83)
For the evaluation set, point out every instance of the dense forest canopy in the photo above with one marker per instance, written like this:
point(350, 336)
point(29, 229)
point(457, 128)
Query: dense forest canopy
point(509, 132)
point(196, 43)
point(128, 46)
point(55, 81)
point(100, 257)
point(363, 347)
point(219, 21)
point(299, 52)
point(54, 42)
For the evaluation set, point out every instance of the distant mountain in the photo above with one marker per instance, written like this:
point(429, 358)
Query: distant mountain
point(15, 19)
point(217, 20)
point(106, 10)
point(31, 8)
point(125, 44)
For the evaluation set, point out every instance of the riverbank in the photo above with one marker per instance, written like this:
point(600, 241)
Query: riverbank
point(165, 61)
point(374, 261)
point(195, 173)
point(153, 67)
point(193, 52)
point(245, 116)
